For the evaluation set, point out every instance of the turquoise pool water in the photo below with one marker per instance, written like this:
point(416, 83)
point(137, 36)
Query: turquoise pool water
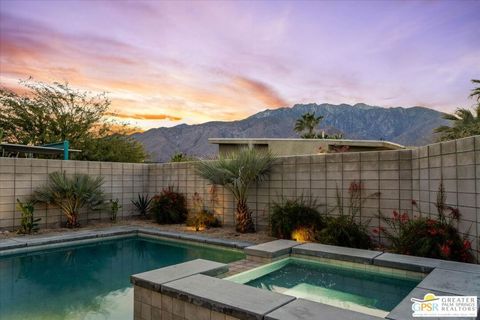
point(89, 281)
point(368, 292)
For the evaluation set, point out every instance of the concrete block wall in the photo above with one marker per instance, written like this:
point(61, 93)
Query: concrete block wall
point(151, 305)
point(19, 178)
point(400, 176)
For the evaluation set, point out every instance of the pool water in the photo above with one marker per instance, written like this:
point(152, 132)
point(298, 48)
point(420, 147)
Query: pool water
point(364, 291)
point(89, 281)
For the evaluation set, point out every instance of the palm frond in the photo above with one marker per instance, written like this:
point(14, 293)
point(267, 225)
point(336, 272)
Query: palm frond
point(237, 171)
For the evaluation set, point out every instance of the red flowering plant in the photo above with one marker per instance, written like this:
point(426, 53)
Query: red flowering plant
point(427, 237)
point(169, 207)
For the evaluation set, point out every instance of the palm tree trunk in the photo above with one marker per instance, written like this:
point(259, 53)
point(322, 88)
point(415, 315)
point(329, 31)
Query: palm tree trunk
point(244, 218)
point(72, 221)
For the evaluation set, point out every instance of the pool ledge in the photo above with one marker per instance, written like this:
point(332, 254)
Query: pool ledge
point(187, 293)
point(154, 279)
point(272, 250)
point(337, 253)
point(27, 243)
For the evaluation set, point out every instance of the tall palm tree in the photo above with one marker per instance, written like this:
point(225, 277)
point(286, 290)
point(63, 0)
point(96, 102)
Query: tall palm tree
point(307, 122)
point(237, 172)
point(465, 122)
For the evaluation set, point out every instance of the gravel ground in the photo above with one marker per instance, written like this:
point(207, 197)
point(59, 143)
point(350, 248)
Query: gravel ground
point(222, 232)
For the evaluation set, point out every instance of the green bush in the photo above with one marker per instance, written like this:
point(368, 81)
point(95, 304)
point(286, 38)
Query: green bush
point(28, 223)
point(295, 219)
point(426, 237)
point(347, 228)
point(346, 232)
point(114, 208)
point(169, 207)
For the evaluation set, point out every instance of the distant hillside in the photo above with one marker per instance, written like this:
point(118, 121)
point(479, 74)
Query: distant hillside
point(407, 126)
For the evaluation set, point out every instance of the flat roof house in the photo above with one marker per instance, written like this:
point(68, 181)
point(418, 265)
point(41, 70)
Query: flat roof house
point(289, 147)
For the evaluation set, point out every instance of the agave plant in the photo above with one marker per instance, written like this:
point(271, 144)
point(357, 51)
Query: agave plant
point(71, 194)
point(237, 172)
point(142, 204)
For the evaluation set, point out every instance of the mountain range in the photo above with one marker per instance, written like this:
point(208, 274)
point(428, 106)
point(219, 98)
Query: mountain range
point(408, 126)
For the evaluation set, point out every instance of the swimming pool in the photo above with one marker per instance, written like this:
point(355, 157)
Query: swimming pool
point(371, 292)
point(90, 281)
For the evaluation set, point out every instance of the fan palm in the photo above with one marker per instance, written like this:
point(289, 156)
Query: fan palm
point(71, 194)
point(307, 122)
point(237, 172)
point(465, 123)
point(476, 91)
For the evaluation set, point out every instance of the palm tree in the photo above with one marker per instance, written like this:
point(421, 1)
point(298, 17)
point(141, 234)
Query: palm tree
point(465, 123)
point(71, 194)
point(307, 122)
point(476, 91)
point(237, 172)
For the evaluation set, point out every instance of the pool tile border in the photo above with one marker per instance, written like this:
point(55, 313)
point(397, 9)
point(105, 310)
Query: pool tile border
point(306, 309)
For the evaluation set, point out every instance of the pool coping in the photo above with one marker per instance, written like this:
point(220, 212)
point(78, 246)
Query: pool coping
point(22, 244)
point(439, 274)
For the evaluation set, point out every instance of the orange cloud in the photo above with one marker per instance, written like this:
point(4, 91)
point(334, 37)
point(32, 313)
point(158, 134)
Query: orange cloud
point(139, 116)
point(260, 91)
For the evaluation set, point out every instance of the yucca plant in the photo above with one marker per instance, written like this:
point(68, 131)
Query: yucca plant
point(142, 204)
point(237, 172)
point(71, 194)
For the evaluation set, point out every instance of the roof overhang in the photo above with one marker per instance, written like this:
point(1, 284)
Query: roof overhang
point(335, 142)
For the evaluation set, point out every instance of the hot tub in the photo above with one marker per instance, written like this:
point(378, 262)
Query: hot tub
point(358, 287)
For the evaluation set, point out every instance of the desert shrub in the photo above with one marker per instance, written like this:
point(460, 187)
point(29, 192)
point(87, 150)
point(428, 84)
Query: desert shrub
point(426, 237)
point(295, 219)
point(71, 194)
point(201, 218)
point(28, 223)
point(114, 207)
point(142, 204)
point(347, 228)
point(204, 219)
point(182, 157)
point(346, 232)
point(169, 207)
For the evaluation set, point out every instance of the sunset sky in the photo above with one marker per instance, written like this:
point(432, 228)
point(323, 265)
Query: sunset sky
point(166, 63)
